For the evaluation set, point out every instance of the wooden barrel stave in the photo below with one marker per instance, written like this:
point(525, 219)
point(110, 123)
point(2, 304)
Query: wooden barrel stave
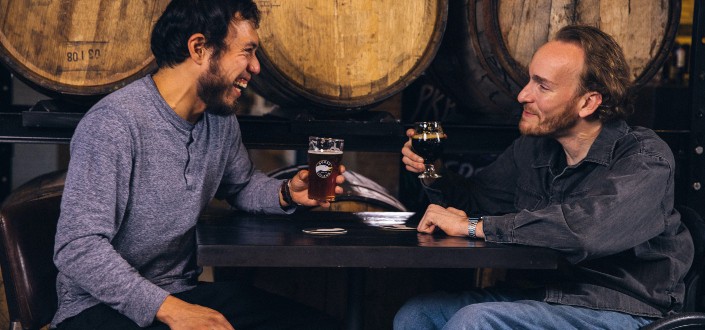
point(484, 65)
point(645, 29)
point(79, 47)
point(345, 54)
point(462, 71)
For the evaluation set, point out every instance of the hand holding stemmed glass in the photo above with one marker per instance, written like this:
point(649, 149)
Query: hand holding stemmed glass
point(424, 147)
point(427, 142)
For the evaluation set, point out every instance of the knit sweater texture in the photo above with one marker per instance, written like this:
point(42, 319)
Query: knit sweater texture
point(138, 178)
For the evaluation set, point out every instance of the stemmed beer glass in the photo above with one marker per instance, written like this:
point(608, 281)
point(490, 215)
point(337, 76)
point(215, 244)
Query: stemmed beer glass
point(427, 142)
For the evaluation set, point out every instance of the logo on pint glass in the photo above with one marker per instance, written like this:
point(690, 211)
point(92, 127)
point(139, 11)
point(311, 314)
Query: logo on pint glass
point(324, 168)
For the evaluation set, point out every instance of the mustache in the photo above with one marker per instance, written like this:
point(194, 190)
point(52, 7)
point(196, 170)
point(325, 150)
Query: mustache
point(526, 109)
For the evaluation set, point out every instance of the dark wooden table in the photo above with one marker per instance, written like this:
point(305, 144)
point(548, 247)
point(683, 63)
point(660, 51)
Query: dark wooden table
point(244, 240)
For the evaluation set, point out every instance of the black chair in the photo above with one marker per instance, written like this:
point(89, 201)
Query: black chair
point(693, 315)
point(28, 220)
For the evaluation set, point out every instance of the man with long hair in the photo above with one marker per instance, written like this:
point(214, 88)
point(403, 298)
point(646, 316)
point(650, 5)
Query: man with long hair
point(579, 180)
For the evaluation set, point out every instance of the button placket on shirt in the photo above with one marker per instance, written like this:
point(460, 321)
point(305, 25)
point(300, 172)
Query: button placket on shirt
point(189, 162)
point(556, 190)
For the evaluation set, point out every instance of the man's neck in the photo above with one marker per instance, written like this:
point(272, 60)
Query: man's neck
point(178, 87)
point(577, 143)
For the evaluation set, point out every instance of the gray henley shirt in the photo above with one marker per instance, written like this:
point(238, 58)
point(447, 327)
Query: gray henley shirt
point(138, 178)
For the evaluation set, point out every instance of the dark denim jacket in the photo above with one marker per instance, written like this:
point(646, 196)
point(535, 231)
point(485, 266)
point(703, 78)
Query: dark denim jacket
point(611, 215)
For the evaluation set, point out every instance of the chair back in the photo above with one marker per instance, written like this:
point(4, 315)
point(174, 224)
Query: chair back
point(28, 219)
point(694, 299)
point(692, 316)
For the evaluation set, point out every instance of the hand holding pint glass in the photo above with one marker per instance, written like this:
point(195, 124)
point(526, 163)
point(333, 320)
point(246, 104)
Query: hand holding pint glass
point(324, 156)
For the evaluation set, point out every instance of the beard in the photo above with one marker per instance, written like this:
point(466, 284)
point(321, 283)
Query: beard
point(212, 89)
point(556, 126)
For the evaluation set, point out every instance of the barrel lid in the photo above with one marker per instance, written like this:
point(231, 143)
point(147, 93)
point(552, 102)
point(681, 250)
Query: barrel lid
point(645, 29)
point(78, 47)
point(482, 62)
point(345, 55)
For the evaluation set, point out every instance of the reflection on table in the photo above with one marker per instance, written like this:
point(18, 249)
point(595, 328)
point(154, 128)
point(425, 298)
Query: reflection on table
point(371, 240)
point(239, 239)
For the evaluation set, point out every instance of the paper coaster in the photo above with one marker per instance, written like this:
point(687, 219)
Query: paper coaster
point(399, 227)
point(324, 231)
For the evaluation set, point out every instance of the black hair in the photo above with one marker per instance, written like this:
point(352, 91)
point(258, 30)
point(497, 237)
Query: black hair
point(183, 18)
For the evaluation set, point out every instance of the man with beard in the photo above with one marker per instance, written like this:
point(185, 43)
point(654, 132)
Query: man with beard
point(579, 180)
point(145, 161)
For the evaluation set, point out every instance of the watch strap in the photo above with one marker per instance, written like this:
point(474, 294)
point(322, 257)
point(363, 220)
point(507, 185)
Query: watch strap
point(472, 226)
point(286, 193)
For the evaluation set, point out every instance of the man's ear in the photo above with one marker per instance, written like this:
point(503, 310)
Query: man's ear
point(589, 103)
point(197, 48)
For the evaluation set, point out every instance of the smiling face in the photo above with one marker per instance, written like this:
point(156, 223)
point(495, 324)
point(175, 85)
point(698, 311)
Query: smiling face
point(550, 99)
point(230, 71)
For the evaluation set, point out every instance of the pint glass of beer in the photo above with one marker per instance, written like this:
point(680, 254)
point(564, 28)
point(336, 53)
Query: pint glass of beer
point(324, 155)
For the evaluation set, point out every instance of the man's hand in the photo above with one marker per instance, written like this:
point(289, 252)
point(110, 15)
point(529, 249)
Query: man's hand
point(413, 162)
point(450, 220)
point(178, 314)
point(298, 186)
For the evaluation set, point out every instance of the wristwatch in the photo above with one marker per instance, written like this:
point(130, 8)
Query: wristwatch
point(472, 226)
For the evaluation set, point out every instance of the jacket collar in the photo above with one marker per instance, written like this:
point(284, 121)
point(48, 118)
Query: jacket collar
point(601, 150)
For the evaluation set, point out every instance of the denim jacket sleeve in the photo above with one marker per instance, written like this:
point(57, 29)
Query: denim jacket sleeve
point(619, 196)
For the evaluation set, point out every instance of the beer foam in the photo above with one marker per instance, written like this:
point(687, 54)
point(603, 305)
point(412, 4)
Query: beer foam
point(326, 152)
point(426, 136)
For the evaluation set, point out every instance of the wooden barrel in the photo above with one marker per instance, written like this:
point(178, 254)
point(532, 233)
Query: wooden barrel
point(488, 44)
point(343, 55)
point(78, 47)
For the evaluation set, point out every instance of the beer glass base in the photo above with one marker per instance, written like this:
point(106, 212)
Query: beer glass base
point(429, 172)
point(429, 176)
